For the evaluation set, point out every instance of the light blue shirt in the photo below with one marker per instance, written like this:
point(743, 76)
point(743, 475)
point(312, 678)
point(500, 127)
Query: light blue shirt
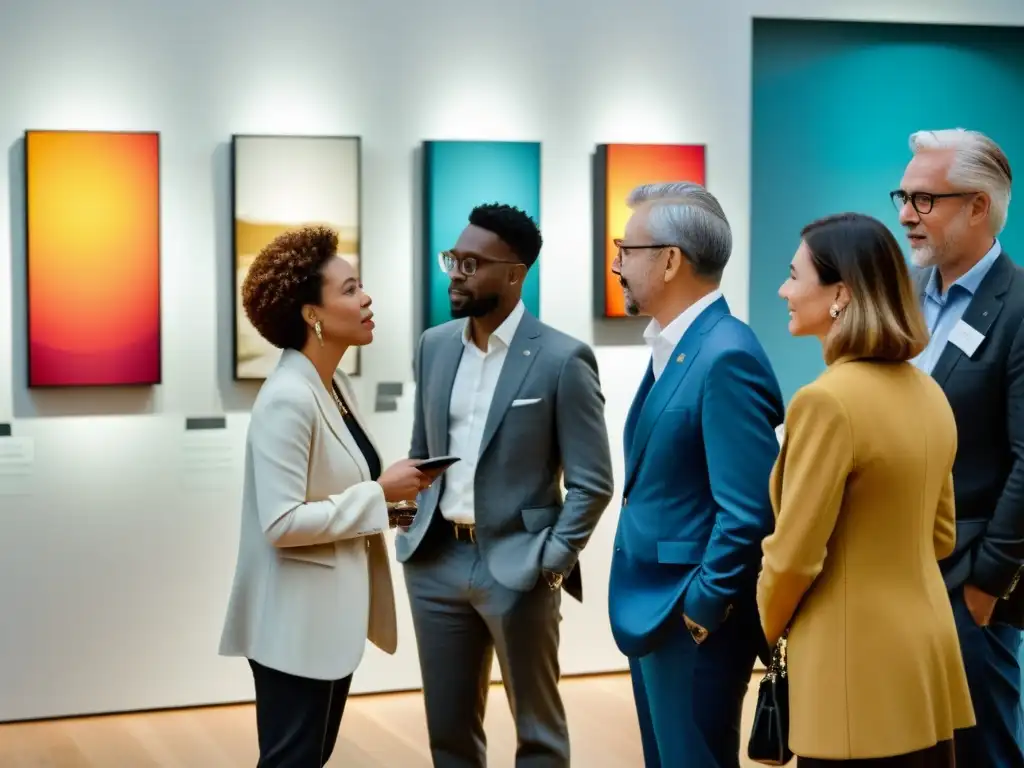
point(943, 311)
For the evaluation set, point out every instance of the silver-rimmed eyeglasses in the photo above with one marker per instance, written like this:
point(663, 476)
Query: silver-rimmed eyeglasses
point(467, 265)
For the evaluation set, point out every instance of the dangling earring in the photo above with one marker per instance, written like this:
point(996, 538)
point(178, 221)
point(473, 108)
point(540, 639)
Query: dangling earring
point(834, 311)
point(319, 331)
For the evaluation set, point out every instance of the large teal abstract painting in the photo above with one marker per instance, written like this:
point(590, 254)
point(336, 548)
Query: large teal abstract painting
point(833, 106)
point(459, 175)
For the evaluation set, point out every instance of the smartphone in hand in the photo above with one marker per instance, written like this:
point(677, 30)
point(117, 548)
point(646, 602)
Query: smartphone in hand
point(437, 465)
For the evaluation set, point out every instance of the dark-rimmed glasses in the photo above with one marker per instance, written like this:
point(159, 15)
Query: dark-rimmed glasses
point(622, 248)
point(468, 265)
point(923, 202)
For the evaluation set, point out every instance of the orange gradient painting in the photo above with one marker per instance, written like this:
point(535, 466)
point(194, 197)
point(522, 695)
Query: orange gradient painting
point(93, 258)
point(618, 168)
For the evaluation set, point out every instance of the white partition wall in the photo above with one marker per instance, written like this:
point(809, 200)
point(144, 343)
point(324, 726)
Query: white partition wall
point(118, 527)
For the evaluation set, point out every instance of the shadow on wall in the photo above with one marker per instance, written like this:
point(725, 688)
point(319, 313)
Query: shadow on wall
point(833, 106)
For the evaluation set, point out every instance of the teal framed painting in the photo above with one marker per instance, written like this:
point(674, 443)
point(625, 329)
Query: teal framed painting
point(833, 110)
point(458, 176)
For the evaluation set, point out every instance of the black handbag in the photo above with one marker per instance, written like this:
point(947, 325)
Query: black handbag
point(769, 736)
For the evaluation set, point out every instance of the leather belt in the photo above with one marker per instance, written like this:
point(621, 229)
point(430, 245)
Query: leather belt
point(462, 531)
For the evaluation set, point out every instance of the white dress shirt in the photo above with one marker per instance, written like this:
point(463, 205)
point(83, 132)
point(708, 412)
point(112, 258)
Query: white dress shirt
point(470, 403)
point(663, 341)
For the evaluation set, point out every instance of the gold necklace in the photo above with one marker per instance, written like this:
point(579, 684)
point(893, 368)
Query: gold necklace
point(337, 401)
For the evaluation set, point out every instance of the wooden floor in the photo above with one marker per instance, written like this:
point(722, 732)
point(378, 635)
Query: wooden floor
point(380, 731)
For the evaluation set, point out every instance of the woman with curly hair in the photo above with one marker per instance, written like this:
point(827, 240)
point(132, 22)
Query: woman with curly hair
point(313, 578)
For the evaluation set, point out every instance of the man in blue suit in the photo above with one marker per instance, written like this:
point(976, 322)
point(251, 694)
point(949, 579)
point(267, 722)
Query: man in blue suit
point(699, 446)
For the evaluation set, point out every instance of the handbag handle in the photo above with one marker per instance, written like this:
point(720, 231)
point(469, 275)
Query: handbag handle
point(769, 736)
point(777, 667)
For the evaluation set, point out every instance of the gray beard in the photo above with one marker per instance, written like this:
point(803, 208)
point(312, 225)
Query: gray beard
point(923, 257)
point(632, 307)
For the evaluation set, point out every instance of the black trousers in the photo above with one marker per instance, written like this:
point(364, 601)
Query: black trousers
point(297, 719)
point(939, 756)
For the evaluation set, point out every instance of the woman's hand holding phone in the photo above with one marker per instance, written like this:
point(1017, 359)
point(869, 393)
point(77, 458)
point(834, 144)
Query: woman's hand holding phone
point(402, 481)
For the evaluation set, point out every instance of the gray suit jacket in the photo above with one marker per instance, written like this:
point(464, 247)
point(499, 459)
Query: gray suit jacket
point(522, 522)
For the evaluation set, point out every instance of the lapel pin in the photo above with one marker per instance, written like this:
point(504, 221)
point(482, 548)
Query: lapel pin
point(984, 314)
point(526, 352)
point(681, 357)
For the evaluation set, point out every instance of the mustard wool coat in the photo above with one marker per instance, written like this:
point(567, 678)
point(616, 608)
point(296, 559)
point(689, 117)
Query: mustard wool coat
point(863, 497)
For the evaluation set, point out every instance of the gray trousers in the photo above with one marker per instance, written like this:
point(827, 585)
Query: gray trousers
point(462, 617)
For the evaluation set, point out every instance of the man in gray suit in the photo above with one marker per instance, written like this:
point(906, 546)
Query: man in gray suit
point(494, 542)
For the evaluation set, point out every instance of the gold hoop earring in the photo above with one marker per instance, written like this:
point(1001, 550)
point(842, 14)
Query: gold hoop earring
point(319, 331)
point(834, 311)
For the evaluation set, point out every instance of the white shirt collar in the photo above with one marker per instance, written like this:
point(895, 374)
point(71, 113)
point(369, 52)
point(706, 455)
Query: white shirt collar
point(503, 334)
point(663, 341)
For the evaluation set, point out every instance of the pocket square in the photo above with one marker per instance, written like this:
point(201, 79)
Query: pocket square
point(525, 401)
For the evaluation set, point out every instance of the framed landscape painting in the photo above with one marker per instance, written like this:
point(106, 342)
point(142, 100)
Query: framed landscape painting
point(280, 183)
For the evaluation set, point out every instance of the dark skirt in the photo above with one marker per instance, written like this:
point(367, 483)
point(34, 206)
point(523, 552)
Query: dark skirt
point(939, 756)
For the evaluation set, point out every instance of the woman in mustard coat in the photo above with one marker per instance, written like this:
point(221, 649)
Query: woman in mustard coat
point(863, 498)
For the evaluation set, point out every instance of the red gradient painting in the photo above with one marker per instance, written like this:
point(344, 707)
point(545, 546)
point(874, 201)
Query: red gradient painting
point(619, 168)
point(93, 258)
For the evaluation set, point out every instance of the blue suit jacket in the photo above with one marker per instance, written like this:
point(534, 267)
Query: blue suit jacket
point(699, 445)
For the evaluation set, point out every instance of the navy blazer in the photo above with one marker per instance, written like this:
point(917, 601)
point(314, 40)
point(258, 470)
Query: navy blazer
point(700, 444)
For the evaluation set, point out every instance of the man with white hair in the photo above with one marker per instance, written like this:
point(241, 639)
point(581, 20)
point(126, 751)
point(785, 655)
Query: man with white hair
point(953, 201)
point(700, 444)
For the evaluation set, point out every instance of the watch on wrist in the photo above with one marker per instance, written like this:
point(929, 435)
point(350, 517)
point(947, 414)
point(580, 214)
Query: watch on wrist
point(697, 632)
point(401, 513)
point(554, 579)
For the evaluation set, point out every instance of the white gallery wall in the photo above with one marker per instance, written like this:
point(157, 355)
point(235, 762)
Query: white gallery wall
point(117, 527)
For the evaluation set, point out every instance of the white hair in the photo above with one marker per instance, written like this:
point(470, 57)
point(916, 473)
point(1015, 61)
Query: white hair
point(686, 215)
point(978, 165)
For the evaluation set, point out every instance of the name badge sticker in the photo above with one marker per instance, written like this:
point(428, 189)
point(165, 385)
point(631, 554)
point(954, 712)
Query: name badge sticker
point(966, 338)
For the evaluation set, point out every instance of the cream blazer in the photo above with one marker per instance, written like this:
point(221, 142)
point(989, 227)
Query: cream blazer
point(863, 498)
point(313, 579)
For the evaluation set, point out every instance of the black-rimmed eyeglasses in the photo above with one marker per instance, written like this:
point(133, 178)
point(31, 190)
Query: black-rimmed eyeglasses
point(923, 202)
point(623, 248)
